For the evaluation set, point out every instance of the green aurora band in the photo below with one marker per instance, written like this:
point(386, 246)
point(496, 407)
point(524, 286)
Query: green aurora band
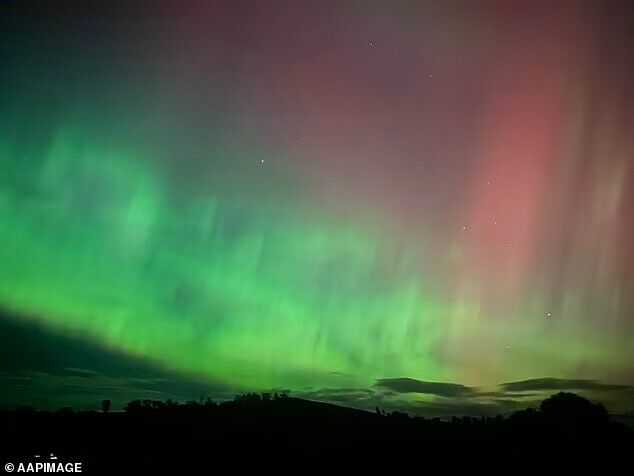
point(247, 296)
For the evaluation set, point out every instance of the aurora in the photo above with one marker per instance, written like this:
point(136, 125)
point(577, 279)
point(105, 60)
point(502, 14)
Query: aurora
point(323, 197)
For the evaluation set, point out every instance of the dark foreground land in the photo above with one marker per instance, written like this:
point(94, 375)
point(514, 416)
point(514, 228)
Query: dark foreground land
point(290, 435)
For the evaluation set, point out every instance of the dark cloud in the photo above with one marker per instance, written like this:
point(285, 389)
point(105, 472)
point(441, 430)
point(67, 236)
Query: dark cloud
point(49, 370)
point(147, 381)
point(79, 372)
point(465, 407)
point(342, 374)
point(84, 389)
point(560, 384)
point(363, 397)
point(337, 391)
point(506, 394)
point(410, 385)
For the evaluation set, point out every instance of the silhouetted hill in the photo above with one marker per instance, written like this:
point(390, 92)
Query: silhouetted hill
point(266, 431)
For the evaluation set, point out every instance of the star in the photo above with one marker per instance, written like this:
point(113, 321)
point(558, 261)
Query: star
point(371, 43)
point(548, 314)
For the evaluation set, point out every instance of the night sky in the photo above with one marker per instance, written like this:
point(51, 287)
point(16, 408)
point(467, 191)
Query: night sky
point(418, 205)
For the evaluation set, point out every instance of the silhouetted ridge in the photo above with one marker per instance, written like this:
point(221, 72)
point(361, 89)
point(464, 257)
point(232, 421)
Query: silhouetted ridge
point(163, 432)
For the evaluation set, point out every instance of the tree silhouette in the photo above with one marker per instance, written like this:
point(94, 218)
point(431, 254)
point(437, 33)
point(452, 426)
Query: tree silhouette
point(135, 406)
point(571, 410)
point(105, 405)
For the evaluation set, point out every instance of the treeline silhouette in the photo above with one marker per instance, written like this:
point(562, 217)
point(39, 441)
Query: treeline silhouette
point(252, 427)
point(202, 406)
point(564, 411)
